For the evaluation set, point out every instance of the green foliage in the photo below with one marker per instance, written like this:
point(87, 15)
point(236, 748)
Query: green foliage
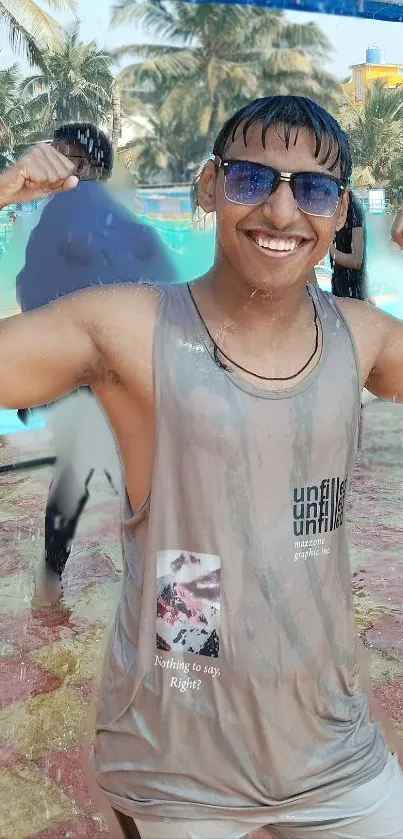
point(201, 64)
point(375, 130)
point(75, 85)
point(205, 62)
point(13, 120)
point(31, 30)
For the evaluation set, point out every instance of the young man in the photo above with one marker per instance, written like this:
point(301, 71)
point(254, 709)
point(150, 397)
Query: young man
point(84, 238)
point(229, 699)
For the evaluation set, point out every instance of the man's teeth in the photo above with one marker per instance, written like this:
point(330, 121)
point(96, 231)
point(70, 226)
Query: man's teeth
point(274, 244)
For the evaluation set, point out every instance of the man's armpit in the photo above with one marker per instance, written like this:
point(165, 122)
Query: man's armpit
point(98, 373)
point(374, 381)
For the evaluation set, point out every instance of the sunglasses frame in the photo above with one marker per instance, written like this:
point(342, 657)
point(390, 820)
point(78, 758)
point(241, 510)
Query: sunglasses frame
point(288, 177)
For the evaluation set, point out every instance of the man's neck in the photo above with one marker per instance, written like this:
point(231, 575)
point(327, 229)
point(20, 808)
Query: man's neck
point(246, 307)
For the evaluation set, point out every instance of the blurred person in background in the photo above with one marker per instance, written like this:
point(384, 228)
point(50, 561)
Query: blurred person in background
point(348, 255)
point(85, 237)
point(348, 260)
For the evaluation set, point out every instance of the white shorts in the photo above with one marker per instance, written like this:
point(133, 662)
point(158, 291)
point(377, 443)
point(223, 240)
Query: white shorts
point(372, 811)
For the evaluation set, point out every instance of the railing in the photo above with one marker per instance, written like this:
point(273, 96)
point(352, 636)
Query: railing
point(376, 207)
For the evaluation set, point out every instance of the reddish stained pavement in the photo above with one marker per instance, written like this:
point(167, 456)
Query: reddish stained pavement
point(50, 657)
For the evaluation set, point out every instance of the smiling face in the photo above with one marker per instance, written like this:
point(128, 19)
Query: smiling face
point(272, 246)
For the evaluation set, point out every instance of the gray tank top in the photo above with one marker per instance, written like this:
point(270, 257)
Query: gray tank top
point(229, 680)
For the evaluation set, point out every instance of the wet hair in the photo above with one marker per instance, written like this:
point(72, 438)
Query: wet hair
point(97, 146)
point(291, 112)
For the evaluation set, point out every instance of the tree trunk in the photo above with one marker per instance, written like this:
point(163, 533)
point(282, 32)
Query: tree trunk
point(116, 116)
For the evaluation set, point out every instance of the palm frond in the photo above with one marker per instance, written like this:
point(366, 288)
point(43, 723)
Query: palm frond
point(305, 36)
point(63, 5)
point(173, 64)
point(152, 15)
point(21, 40)
point(212, 58)
point(287, 61)
point(40, 25)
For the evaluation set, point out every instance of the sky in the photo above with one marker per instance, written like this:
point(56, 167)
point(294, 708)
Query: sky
point(349, 37)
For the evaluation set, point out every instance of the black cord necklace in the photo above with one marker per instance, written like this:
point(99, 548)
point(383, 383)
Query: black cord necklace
point(217, 349)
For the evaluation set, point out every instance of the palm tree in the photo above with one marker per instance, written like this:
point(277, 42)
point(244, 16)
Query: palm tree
point(225, 51)
point(32, 30)
point(219, 56)
point(17, 130)
point(116, 102)
point(164, 150)
point(375, 130)
point(289, 59)
point(9, 82)
point(75, 85)
point(9, 79)
point(395, 182)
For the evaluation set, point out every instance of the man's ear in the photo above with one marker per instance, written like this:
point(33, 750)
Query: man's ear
point(206, 187)
point(342, 212)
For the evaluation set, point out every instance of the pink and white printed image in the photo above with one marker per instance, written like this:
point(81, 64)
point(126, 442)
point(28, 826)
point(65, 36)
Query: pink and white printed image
point(188, 602)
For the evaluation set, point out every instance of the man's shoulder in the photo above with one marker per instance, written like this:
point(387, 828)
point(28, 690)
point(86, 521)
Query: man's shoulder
point(362, 314)
point(119, 311)
point(371, 328)
point(361, 310)
point(120, 294)
point(121, 302)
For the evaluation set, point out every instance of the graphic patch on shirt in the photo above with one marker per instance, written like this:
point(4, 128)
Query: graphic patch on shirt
point(319, 509)
point(188, 602)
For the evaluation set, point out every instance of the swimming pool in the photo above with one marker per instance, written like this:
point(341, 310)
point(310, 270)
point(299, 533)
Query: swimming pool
point(10, 424)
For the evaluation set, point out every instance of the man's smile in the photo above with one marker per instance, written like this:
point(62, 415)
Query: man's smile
point(273, 244)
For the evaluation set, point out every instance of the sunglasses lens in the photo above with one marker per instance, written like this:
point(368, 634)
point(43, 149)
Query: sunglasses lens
point(316, 194)
point(248, 183)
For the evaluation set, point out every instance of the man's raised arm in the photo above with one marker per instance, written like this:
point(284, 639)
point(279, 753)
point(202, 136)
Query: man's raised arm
point(46, 353)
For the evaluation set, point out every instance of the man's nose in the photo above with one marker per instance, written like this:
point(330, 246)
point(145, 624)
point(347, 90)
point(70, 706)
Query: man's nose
point(280, 208)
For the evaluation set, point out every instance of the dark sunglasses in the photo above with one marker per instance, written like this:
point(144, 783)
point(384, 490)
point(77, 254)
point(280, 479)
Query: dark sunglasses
point(246, 182)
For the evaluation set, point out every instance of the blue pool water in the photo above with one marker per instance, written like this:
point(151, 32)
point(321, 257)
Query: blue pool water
point(192, 251)
point(9, 422)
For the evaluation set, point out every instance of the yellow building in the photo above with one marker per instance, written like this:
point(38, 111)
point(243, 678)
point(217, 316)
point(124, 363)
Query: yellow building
point(363, 74)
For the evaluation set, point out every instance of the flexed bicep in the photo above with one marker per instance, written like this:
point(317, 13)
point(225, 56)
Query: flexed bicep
point(100, 337)
point(46, 353)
